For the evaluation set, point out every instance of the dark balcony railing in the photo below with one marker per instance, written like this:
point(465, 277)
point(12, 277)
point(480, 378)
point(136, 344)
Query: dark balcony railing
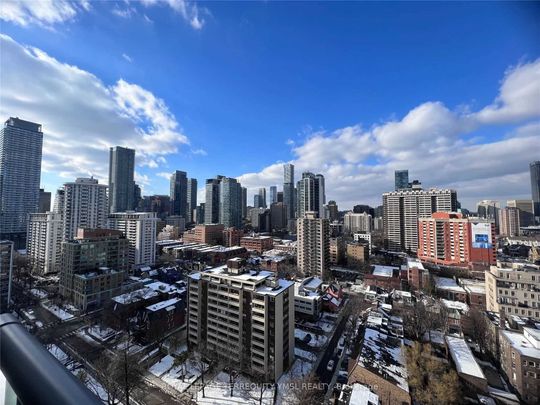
point(33, 373)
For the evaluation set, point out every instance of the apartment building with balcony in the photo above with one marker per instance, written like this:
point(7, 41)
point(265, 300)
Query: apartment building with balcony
point(514, 289)
point(244, 315)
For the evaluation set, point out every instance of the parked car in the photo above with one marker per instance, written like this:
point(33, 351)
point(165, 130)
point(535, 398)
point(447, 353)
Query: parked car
point(330, 365)
point(341, 379)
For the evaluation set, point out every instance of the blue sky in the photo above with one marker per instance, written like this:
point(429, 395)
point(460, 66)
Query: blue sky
point(234, 88)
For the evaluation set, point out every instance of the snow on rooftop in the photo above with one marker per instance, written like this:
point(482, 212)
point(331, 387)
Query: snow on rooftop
point(447, 284)
point(382, 355)
point(282, 285)
point(463, 357)
point(460, 306)
point(383, 271)
point(135, 296)
point(473, 286)
point(163, 304)
point(412, 262)
point(520, 343)
point(361, 395)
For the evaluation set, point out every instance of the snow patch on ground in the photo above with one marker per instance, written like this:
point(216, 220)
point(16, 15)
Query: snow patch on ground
point(38, 293)
point(218, 392)
point(162, 366)
point(57, 311)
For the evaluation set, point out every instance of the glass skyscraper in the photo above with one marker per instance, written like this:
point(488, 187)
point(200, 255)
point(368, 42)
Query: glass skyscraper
point(121, 183)
point(288, 189)
point(179, 193)
point(535, 186)
point(401, 179)
point(21, 145)
point(230, 203)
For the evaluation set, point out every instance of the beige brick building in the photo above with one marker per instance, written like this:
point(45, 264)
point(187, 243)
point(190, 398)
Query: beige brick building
point(514, 289)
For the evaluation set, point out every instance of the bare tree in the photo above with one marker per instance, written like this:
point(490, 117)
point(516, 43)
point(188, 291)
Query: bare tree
point(120, 375)
point(479, 328)
point(262, 382)
point(200, 366)
point(307, 390)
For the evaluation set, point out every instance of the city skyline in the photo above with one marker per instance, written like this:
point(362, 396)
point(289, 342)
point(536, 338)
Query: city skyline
point(472, 127)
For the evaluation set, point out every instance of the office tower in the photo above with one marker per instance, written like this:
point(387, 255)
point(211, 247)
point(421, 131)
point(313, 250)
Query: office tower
point(311, 194)
point(160, 204)
point(137, 196)
point(488, 209)
point(94, 265)
point(20, 170)
point(526, 211)
point(255, 329)
point(361, 208)
point(191, 199)
point(179, 193)
point(313, 245)
point(509, 288)
point(262, 197)
point(288, 190)
point(59, 200)
point(447, 238)
point(401, 179)
point(211, 209)
point(140, 230)
point(44, 200)
point(273, 194)
point(85, 206)
point(509, 221)
point(280, 196)
point(378, 211)
point(278, 216)
point(244, 202)
point(257, 201)
point(353, 223)
point(199, 213)
point(535, 185)
point(121, 183)
point(43, 242)
point(6, 273)
point(230, 203)
point(260, 219)
point(403, 208)
point(333, 211)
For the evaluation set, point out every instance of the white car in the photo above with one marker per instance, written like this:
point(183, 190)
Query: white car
point(330, 365)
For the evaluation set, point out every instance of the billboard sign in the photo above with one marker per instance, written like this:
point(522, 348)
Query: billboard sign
point(481, 235)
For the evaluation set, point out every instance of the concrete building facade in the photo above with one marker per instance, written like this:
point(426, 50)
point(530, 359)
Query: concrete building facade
point(44, 242)
point(313, 245)
point(244, 315)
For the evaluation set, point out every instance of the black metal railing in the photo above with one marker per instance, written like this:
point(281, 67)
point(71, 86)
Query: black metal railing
point(33, 373)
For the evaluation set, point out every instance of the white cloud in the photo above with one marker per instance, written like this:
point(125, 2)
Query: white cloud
point(189, 11)
point(519, 96)
point(48, 13)
point(199, 151)
point(436, 144)
point(165, 175)
point(81, 116)
point(127, 57)
point(41, 12)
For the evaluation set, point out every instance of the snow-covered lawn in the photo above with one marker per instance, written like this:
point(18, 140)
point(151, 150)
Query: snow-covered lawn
point(57, 311)
point(299, 370)
point(162, 366)
point(38, 293)
point(304, 354)
point(218, 391)
point(316, 340)
point(102, 333)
